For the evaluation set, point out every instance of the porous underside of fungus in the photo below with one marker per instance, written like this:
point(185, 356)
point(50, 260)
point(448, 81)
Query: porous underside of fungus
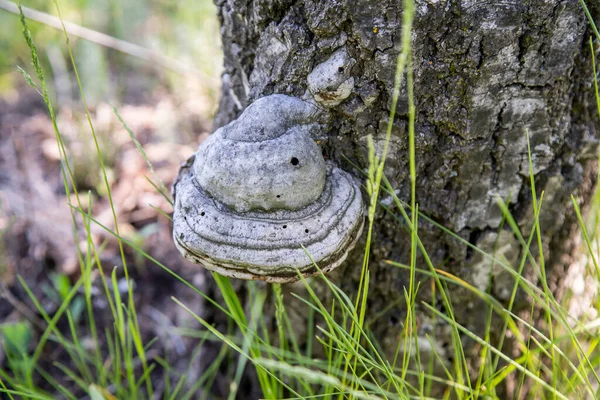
point(258, 201)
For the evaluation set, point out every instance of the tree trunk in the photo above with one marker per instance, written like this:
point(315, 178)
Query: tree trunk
point(484, 73)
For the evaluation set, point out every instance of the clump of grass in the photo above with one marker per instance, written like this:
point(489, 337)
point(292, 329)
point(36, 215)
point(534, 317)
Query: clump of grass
point(561, 362)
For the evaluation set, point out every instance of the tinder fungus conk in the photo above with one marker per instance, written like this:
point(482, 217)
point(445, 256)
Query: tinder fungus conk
point(258, 190)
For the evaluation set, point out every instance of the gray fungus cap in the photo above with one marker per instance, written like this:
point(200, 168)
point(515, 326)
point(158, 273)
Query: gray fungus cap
point(258, 192)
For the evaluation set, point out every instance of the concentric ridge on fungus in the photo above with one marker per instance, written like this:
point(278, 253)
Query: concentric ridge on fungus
point(258, 192)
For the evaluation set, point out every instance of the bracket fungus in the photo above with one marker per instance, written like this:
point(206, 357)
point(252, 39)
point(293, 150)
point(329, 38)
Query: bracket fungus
point(258, 192)
point(330, 82)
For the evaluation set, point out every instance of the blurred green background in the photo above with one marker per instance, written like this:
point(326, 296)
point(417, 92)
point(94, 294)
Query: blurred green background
point(168, 95)
point(185, 30)
point(166, 98)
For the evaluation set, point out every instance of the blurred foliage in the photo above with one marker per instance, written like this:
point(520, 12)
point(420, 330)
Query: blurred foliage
point(16, 338)
point(185, 30)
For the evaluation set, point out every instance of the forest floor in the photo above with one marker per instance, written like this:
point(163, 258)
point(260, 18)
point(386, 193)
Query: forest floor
point(36, 226)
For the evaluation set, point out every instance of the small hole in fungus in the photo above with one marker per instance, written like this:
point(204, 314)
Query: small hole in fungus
point(306, 230)
point(341, 70)
point(202, 214)
point(278, 196)
point(285, 226)
point(294, 161)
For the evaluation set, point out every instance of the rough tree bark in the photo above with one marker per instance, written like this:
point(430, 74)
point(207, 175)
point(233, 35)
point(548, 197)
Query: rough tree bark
point(485, 71)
